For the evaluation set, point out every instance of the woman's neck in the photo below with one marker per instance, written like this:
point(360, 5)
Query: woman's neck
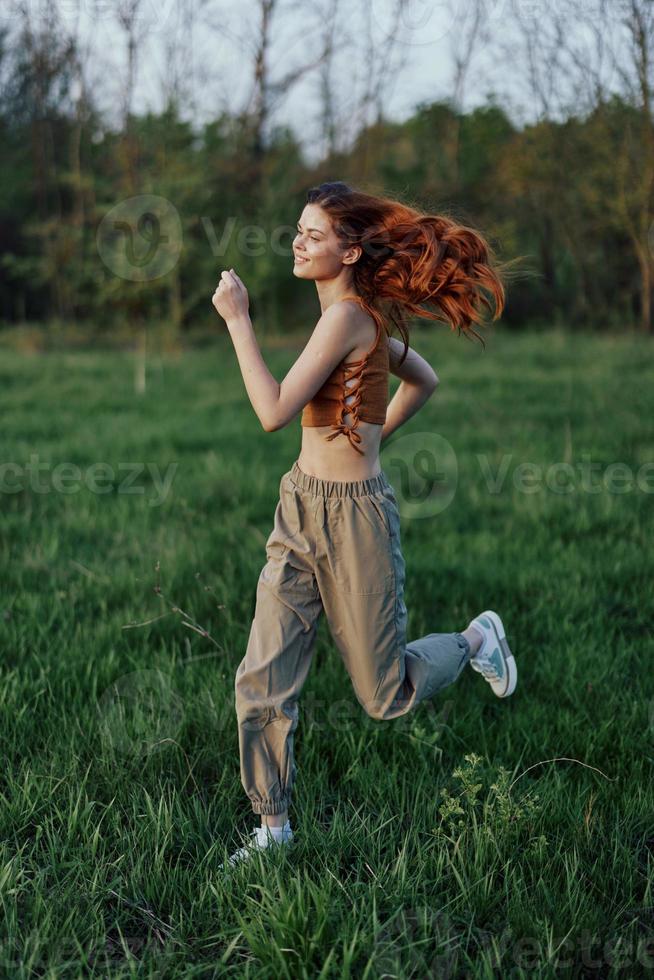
point(333, 292)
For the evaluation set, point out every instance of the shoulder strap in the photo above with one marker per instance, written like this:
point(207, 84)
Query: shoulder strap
point(360, 300)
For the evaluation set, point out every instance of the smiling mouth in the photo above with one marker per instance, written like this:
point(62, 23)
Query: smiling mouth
point(300, 260)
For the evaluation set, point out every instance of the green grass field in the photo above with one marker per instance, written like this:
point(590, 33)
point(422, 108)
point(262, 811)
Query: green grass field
point(475, 837)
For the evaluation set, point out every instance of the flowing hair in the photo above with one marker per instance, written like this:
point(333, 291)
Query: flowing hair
point(410, 258)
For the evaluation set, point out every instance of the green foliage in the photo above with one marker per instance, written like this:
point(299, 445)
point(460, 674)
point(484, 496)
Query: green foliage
point(571, 197)
point(120, 793)
point(499, 810)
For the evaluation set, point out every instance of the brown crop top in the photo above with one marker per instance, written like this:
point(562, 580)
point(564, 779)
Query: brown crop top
point(328, 405)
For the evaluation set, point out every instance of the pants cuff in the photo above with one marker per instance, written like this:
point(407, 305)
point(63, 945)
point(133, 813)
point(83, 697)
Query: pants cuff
point(464, 644)
point(269, 807)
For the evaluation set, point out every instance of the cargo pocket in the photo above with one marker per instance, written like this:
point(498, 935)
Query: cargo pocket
point(286, 522)
point(379, 502)
point(252, 719)
point(400, 614)
point(276, 550)
point(360, 546)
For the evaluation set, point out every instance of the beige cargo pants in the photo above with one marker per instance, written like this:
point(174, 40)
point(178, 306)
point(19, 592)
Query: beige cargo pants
point(335, 546)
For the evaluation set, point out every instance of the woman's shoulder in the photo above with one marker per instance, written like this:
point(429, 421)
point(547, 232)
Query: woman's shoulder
point(364, 326)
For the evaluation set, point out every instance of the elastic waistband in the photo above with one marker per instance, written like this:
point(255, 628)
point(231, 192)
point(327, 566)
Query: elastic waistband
point(337, 488)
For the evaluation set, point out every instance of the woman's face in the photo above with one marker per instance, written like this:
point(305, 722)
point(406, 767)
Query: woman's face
point(317, 251)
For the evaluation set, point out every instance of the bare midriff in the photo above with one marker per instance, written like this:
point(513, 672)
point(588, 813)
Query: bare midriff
point(335, 459)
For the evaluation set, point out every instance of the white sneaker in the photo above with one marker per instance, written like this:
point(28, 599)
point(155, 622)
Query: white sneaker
point(494, 659)
point(258, 839)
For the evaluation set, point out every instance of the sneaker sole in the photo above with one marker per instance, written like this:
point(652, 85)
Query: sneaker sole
point(505, 651)
point(254, 851)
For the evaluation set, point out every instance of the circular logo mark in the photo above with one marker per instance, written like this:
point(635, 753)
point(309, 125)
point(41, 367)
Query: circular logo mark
point(148, 18)
point(419, 22)
point(141, 238)
point(139, 711)
point(423, 469)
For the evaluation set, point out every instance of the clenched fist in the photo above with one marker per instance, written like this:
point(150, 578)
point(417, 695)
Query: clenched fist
point(231, 297)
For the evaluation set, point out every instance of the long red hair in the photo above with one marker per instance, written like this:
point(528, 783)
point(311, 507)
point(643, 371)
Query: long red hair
point(410, 258)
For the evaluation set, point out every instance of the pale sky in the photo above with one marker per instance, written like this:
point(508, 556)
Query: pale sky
point(197, 41)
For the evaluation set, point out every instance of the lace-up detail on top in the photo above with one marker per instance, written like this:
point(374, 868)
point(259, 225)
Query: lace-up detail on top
point(369, 394)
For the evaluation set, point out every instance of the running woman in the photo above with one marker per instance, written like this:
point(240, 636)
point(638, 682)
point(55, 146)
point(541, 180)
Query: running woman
point(335, 544)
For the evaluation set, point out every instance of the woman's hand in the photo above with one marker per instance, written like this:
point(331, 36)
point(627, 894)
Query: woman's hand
point(231, 297)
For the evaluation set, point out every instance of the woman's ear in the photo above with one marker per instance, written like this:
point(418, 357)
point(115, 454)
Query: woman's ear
point(352, 255)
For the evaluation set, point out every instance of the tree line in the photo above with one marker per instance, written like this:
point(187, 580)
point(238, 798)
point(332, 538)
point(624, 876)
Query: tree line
point(572, 191)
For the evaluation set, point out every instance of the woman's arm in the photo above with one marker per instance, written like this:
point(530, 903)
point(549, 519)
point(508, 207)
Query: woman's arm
point(407, 400)
point(277, 404)
point(418, 383)
point(261, 386)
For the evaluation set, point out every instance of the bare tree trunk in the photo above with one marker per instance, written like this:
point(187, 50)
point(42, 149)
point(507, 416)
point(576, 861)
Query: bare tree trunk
point(261, 81)
point(178, 85)
point(81, 101)
point(380, 72)
point(556, 73)
point(170, 339)
point(127, 12)
point(79, 193)
point(470, 32)
point(141, 361)
point(645, 266)
point(637, 197)
point(48, 54)
point(329, 16)
point(633, 204)
point(266, 92)
point(641, 26)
